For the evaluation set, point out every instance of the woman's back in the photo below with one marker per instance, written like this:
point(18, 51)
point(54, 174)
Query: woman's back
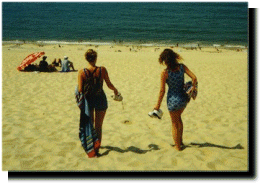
point(176, 98)
point(93, 81)
point(175, 79)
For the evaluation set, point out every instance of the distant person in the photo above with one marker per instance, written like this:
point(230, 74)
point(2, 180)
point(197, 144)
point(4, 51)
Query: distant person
point(66, 64)
point(52, 68)
point(177, 98)
point(43, 65)
point(30, 68)
point(59, 62)
point(90, 83)
point(55, 63)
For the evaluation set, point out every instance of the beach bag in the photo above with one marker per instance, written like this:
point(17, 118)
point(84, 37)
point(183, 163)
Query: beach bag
point(92, 86)
point(190, 90)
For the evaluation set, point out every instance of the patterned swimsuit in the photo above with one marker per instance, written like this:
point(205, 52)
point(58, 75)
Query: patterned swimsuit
point(176, 98)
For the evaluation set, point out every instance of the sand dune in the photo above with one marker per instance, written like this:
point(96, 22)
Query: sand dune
point(40, 118)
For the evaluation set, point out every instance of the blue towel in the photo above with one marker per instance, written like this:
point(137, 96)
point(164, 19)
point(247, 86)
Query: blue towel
point(87, 133)
point(79, 98)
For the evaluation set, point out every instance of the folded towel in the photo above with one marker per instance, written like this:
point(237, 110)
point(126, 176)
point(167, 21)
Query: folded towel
point(79, 98)
point(87, 133)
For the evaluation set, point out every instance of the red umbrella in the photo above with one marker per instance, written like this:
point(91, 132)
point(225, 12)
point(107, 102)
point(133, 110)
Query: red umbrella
point(30, 59)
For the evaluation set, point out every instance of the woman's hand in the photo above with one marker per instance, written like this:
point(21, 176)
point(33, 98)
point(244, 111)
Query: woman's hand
point(194, 81)
point(157, 107)
point(116, 92)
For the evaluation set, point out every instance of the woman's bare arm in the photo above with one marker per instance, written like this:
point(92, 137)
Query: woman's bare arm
point(80, 80)
point(190, 74)
point(164, 76)
point(108, 82)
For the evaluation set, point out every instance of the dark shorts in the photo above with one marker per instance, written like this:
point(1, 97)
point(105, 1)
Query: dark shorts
point(98, 102)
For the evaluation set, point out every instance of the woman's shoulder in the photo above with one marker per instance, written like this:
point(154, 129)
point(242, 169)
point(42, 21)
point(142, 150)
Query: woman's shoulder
point(183, 66)
point(103, 69)
point(81, 71)
point(180, 65)
point(164, 73)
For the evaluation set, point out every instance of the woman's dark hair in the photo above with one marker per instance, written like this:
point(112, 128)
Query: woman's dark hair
point(91, 55)
point(170, 58)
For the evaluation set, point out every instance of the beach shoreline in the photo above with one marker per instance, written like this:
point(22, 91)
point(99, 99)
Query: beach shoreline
point(191, 45)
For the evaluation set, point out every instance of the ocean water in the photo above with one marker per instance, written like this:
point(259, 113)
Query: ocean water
point(128, 23)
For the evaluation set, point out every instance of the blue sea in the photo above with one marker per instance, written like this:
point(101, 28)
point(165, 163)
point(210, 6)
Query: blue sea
point(165, 23)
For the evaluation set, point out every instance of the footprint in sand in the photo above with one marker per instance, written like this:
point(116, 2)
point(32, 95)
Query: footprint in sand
point(127, 122)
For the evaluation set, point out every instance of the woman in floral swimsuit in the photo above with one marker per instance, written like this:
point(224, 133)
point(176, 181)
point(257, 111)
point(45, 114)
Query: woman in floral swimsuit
point(177, 99)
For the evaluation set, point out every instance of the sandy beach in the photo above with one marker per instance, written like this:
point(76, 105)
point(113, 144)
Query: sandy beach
point(40, 118)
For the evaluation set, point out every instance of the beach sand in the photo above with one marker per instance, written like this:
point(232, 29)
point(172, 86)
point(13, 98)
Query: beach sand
point(40, 118)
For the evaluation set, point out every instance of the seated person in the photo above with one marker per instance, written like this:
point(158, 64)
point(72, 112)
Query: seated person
point(43, 66)
point(52, 68)
point(59, 62)
point(66, 64)
point(55, 63)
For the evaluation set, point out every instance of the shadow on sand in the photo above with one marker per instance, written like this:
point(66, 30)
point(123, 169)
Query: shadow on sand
point(133, 149)
point(206, 144)
point(153, 147)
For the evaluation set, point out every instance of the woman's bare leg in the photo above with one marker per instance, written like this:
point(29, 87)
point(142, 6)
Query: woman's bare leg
point(181, 130)
point(177, 128)
point(99, 118)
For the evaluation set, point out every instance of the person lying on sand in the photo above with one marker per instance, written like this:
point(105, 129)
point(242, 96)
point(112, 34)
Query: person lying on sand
point(52, 68)
point(31, 68)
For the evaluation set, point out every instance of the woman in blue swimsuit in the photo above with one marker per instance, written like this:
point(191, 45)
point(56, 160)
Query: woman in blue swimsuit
point(177, 99)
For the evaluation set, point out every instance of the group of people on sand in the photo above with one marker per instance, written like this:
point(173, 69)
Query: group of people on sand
point(62, 65)
point(93, 111)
